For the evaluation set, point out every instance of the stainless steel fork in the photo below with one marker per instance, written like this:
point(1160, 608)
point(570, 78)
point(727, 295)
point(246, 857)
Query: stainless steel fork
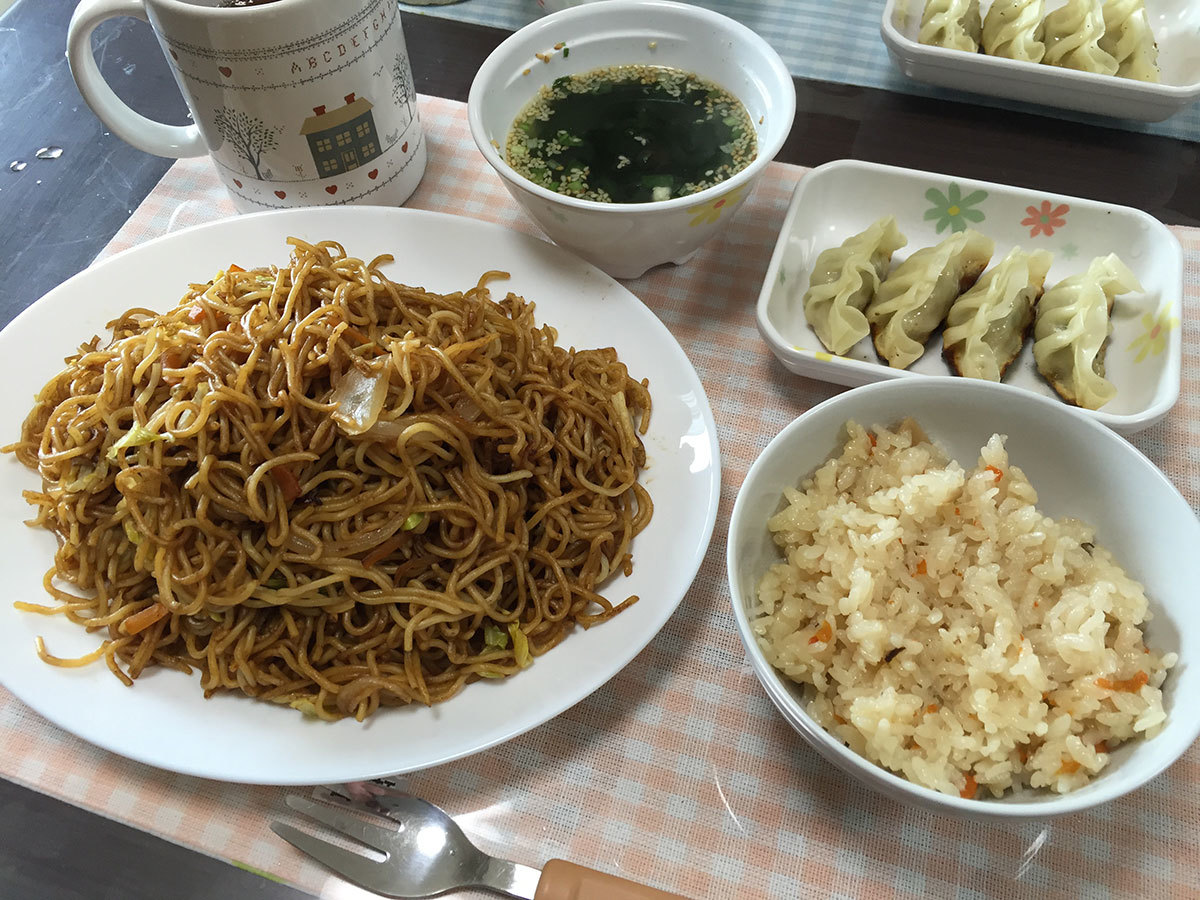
point(427, 854)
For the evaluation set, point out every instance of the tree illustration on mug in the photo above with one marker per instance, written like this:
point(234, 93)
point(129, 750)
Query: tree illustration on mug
point(402, 88)
point(250, 137)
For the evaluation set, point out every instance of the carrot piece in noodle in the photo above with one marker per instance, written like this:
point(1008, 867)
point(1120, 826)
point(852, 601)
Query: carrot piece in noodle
point(143, 619)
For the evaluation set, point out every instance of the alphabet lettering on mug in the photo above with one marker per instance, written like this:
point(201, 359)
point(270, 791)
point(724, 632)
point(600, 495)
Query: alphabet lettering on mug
point(357, 40)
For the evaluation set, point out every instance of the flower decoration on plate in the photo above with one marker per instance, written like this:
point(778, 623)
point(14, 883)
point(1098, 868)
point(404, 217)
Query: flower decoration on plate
point(952, 210)
point(713, 210)
point(1070, 251)
point(1046, 218)
point(1154, 341)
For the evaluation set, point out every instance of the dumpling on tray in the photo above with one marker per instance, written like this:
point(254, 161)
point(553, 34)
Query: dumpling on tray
point(1129, 40)
point(1071, 331)
point(987, 326)
point(1013, 29)
point(844, 280)
point(954, 24)
point(913, 301)
point(1073, 34)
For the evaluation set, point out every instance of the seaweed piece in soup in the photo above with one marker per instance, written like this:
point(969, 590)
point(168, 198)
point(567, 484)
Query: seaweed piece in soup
point(631, 134)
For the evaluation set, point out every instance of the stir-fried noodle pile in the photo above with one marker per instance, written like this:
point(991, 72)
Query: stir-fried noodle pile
point(326, 489)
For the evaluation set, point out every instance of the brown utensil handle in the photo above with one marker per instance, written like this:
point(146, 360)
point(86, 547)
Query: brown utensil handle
point(562, 880)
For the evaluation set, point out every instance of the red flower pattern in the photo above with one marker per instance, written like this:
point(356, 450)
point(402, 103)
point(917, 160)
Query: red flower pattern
point(1045, 219)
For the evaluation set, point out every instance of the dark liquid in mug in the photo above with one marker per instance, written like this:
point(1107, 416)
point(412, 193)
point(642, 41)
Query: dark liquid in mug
point(225, 4)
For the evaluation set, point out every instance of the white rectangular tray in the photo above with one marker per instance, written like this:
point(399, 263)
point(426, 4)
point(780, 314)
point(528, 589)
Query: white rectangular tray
point(1176, 27)
point(842, 198)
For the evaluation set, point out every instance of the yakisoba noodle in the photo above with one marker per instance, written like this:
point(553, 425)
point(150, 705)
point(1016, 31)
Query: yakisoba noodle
point(323, 488)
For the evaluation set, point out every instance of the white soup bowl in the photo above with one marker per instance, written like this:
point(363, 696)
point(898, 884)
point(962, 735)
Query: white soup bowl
point(626, 239)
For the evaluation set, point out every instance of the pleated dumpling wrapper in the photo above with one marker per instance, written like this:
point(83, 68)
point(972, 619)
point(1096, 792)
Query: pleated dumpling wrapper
point(1071, 329)
point(954, 24)
point(844, 280)
point(1013, 30)
point(914, 300)
point(1072, 36)
point(987, 326)
point(1129, 40)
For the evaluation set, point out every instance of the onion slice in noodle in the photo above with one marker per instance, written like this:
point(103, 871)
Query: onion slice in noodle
point(359, 398)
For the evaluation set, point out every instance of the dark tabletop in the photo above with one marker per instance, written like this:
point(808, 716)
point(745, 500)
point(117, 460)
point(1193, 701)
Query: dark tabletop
point(57, 214)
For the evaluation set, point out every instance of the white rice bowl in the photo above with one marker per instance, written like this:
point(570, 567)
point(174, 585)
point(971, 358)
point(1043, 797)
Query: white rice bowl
point(1041, 704)
point(947, 629)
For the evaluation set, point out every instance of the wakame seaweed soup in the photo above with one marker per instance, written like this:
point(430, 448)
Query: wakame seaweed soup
point(631, 134)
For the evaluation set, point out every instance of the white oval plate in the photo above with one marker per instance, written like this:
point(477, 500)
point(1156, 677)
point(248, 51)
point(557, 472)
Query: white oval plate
point(164, 719)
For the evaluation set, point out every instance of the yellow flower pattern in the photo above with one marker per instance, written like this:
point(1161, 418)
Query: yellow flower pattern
point(1154, 341)
point(713, 210)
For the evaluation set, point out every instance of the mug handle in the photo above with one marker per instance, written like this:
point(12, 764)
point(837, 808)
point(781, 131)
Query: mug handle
point(175, 141)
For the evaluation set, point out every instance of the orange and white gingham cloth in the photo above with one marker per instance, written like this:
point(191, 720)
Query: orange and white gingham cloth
point(679, 772)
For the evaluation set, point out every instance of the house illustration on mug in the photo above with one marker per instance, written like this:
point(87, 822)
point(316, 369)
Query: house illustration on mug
point(342, 139)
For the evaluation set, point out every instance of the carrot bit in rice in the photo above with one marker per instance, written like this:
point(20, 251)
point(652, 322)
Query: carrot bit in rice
point(823, 635)
point(1127, 686)
point(970, 788)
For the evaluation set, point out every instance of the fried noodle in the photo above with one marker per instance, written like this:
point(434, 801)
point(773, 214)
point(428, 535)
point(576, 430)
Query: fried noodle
point(325, 489)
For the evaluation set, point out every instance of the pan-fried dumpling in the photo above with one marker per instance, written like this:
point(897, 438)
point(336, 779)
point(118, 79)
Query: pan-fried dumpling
point(1129, 40)
point(915, 298)
point(1071, 330)
point(1013, 29)
point(843, 281)
point(954, 24)
point(987, 326)
point(1073, 35)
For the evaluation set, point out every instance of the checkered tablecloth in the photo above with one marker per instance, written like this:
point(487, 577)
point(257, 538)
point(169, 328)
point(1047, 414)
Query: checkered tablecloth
point(678, 772)
point(825, 40)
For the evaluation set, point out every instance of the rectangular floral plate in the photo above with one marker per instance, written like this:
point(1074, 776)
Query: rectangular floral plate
point(842, 198)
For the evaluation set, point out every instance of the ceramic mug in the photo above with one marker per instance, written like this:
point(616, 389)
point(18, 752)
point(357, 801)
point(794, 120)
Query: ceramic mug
point(299, 102)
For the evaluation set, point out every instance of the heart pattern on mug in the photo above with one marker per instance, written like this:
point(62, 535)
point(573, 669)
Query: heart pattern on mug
point(281, 194)
point(238, 183)
point(373, 174)
point(225, 70)
point(332, 189)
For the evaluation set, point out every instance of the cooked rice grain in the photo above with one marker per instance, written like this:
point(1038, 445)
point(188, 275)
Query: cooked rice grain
point(949, 631)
